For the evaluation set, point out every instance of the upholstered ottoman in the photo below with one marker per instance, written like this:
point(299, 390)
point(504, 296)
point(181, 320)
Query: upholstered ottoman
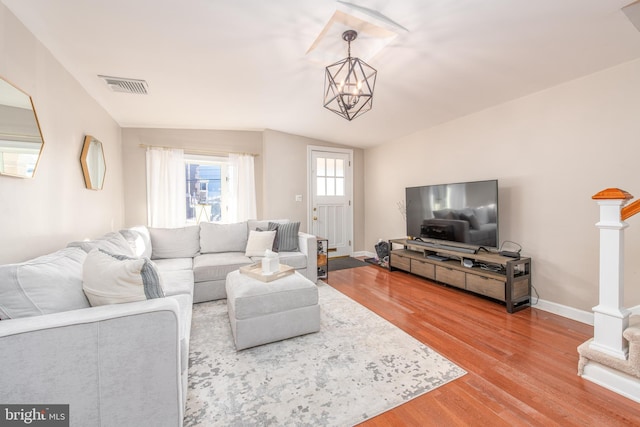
point(261, 312)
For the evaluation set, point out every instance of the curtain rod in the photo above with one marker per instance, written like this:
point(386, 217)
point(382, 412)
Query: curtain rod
point(200, 152)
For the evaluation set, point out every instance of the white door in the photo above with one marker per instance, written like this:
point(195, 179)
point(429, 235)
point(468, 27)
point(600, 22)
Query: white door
point(330, 180)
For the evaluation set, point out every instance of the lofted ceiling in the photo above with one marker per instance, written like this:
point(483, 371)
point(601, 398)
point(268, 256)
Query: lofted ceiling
point(243, 64)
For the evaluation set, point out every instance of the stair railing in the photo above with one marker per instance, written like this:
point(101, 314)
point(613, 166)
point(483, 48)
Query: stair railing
point(610, 318)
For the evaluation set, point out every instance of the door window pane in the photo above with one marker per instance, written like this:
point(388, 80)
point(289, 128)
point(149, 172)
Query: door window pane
point(331, 171)
point(339, 167)
point(320, 169)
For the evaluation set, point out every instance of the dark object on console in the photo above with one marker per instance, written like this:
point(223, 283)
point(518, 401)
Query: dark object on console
point(509, 254)
point(437, 231)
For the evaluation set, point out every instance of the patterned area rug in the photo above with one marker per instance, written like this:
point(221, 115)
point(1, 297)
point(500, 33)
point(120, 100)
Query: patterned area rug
point(357, 366)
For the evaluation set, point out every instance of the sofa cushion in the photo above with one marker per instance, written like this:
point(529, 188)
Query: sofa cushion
point(112, 242)
point(139, 240)
point(48, 284)
point(174, 264)
point(215, 238)
point(175, 242)
point(288, 236)
point(259, 242)
point(114, 279)
point(208, 267)
point(177, 282)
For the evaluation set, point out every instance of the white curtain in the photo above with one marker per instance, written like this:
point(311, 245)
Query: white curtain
point(242, 188)
point(166, 188)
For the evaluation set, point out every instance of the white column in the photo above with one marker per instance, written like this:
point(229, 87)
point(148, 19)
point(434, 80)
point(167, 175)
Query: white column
point(610, 317)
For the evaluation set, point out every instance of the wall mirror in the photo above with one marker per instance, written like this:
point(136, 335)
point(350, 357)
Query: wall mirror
point(21, 141)
point(93, 165)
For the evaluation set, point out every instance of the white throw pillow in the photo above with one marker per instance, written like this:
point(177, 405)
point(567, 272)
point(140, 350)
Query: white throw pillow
point(115, 279)
point(259, 242)
point(47, 284)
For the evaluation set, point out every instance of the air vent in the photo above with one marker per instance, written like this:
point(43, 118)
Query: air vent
point(120, 84)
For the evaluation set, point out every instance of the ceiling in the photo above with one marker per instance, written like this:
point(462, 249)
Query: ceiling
point(242, 64)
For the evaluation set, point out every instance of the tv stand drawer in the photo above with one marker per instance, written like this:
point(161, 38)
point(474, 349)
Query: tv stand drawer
point(400, 262)
point(423, 269)
point(450, 276)
point(486, 286)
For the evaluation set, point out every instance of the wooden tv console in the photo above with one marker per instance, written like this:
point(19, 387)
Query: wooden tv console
point(501, 278)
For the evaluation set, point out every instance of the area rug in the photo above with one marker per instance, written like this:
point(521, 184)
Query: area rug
point(344, 263)
point(357, 366)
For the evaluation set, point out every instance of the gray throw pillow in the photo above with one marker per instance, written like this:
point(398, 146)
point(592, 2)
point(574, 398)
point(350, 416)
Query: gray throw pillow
point(287, 236)
point(272, 227)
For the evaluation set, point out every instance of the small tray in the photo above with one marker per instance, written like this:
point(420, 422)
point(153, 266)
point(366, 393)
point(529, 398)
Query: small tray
point(255, 271)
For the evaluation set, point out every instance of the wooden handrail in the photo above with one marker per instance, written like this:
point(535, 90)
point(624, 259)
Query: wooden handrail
point(630, 210)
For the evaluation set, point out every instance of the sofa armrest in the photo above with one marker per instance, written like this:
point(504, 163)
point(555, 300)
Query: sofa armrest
point(308, 245)
point(113, 365)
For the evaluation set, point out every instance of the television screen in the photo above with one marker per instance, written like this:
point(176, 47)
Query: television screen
point(464, 213)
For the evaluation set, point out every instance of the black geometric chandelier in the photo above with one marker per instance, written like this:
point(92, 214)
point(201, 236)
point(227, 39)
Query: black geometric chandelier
point(349, 84)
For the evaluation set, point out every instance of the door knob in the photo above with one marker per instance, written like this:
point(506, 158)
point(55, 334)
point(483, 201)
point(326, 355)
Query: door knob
point(315, 218)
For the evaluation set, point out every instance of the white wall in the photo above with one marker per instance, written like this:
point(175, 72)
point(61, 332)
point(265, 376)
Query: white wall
point(551, 151)
point(281, 169)
point(285, 158)
point(42, 214)
point(191, 140)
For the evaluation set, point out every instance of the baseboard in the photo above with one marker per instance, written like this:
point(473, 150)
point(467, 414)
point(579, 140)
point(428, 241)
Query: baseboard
point(365, 254)
point(573, 313)
point(565, 311)
point(618, 382)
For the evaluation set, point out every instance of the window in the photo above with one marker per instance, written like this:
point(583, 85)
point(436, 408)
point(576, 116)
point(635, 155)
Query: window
point(207, 188)
point(330, 177)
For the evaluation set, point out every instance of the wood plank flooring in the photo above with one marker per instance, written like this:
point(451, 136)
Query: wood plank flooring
point(522, 367)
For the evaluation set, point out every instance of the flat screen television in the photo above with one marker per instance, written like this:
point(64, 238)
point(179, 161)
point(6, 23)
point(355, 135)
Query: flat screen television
point(462, 214)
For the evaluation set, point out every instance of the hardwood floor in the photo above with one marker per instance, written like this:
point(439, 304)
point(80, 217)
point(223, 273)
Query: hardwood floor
point(522, 367)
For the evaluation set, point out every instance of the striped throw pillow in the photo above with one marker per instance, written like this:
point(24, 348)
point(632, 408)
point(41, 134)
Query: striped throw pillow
point(287, 236)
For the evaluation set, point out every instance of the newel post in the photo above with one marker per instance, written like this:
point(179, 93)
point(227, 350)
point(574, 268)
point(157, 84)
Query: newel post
point(610, 318)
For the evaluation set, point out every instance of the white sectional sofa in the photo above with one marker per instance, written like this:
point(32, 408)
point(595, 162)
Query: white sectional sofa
point(119, 364)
